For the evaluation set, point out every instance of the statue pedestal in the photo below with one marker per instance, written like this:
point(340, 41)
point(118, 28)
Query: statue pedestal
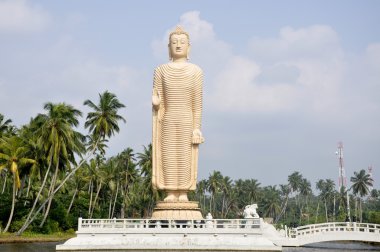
point(177, 210)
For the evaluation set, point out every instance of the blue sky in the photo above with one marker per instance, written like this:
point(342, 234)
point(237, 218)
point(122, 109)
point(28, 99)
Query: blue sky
point(284, 80)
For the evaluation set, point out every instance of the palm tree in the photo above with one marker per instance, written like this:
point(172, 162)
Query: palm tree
point(214, 186)
point(145, 163)
point(104, 120)
point(284, 194)
point(95, 176)
point(4, 125)
point(201, 194)
point(226, 188)
point(253, 189)
point(294, 182)
point(128, 174)
point(76, 184)
point(13, 157)
point(361, 182)
point(271, 201)
point(305, 192)
point(326, 187)
point(60, 140)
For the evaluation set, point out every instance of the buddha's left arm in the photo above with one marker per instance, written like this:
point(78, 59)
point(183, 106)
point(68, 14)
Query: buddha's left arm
point(197, 100)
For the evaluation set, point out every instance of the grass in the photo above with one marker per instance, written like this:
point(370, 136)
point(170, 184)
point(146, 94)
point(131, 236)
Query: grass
point(34, 237)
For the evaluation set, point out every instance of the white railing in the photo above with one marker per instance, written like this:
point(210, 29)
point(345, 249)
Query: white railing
point(119, 224)
point(334, 227)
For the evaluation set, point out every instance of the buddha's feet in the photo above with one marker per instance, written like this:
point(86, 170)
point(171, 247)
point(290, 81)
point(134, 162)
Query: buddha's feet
point(183, 197)
point(172, 196)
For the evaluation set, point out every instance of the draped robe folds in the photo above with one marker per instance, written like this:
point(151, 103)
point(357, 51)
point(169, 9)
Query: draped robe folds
point(175, 157)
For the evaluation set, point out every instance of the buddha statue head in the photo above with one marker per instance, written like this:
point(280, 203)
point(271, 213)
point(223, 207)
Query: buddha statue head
point(179, 45)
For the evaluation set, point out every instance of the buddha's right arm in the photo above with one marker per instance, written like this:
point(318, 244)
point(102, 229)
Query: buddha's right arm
point(156, 99)
point(157, 88)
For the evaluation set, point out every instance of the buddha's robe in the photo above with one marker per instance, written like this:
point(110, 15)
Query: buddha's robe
point(175, 157)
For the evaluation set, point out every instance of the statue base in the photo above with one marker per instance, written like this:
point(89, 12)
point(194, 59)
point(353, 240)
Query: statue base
point(177, 210)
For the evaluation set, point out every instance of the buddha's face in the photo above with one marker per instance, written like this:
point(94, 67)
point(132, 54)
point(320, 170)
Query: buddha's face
point(178, 46)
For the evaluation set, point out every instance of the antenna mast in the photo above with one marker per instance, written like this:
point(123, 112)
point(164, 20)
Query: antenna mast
point(342, 178)
point(342, 173)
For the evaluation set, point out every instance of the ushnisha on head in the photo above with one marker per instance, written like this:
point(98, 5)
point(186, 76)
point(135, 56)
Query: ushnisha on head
point(179, 45)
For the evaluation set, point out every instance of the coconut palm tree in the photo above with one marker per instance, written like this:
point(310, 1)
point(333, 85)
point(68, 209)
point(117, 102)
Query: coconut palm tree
point(226, 188)
point(253, 189)
point(57, 137)
point(144, 161)
point(4, 125)
point(201, 194)
point(284, 195)
point(13, 157)
point(326, 188)
point(60, 140)
point(214, 186)
point(103, 121)
point(271, 201)
point(305, 192)
point(361, 182)
point(127, 166)
point(294, 182)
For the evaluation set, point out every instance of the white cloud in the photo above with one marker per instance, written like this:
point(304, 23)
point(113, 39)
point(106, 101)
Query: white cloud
point(299, 70)
point(317, 64)
point(237, 89)
point(317, 41)
point(373, 57)
point(20, 16)
point(204, 43)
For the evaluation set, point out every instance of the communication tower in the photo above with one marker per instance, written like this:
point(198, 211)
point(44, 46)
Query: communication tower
point(342, 178)
point(342, 174)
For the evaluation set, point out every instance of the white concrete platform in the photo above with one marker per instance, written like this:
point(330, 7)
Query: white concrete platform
point(155, 235)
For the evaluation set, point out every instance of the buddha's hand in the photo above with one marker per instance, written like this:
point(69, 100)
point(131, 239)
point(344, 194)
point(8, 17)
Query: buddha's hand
point(156, 99)
point(197, 137)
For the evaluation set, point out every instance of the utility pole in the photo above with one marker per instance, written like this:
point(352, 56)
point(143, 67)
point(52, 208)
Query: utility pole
point(342, 177)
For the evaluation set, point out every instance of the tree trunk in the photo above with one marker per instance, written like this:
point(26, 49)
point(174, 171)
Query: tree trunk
point(5, 184)
point(223, 205)
point(13, 204)
point(356, 210)
point(327, 218)
point(26, 223)
point(316, 216)
point(27, 190)
point(21, 189)
point(283, 209)
point(334, 210)
point(114, 203)
point(52, 185)
point(90, 191)
point(30, 220)
point(110, 207)
point(96, 198)
point(72, 200)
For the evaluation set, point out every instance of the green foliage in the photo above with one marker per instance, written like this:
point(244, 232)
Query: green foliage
point(50, 227)
point(374, 217)
point(120, 186)
point(16, 225)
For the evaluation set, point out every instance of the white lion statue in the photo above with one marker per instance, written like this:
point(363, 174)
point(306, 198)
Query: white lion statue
point(250, 211)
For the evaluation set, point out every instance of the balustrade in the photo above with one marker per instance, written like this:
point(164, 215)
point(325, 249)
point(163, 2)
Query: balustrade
point(99, 224)
point(333, 227)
